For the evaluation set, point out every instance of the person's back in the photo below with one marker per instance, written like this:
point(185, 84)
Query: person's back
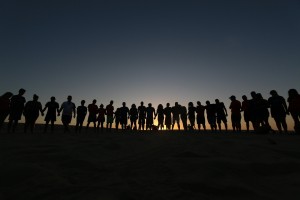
point(67, 108)
point(277, 105)
point(81, 111)
point(52, 108)
point(17, 106)
point(133, 112)
point(32, 109)
point(168, 116)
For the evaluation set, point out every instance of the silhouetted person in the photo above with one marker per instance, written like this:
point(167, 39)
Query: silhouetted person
point(253, 111)
point(93, 110)
point(278, 110)
point(52, 107)
point(200, 115)
point(183, 117)
point(191, 114)
point(117, 118)
point(101, 117)
point(221, 114)
point(124, 114)
point(4, 107)
point(142, 116)
point(16, 109)
point(176, 113)
point(235, 107)
point(81, 113)
point(211, 115)
point(160, 116)
point(294, 107)
point(110, 115)
point(150, 113)
point(263, 112)
point(32, 110)
point(133, 115)
point(245, 109)
point(68, 108)
point(168, 116)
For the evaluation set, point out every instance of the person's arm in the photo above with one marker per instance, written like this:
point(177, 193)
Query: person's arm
point(285, 106)
point(61, 108)
point(41, 109)
point(45, 108)
point(225, 109)
point(74, 110)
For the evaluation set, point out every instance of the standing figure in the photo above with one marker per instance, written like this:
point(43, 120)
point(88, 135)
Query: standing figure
point(32, 110)
point(110, 115)
point(123, 116)
point(294, 107)
point(101, 117)
point(168, 116)
point(4, 107)
point(16, 109)
point(221, 114)
point(142, 116)
point(52, 107)
point(160, 116)
point(133, 114)
point(211, 115)
point(200, 115)
point(150, 113)
point(68, 108)
point(183, 117)
point(191, 114)
point(235, 107)
point(81, 113)
point(263, 112)
point(93, 110)
point(117, 118)
point(245, 109)
point(278, 110)
point(253, 111)
point(176, 113)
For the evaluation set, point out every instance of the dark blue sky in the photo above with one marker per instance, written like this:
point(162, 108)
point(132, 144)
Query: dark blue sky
point(156, 51)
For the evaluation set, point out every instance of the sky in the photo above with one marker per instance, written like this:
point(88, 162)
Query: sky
point(155, 51)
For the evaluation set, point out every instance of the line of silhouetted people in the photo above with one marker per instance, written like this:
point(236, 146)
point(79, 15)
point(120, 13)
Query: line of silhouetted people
point(255, 110)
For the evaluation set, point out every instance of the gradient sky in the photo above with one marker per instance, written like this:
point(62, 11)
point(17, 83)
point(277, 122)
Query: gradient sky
point(155, 51)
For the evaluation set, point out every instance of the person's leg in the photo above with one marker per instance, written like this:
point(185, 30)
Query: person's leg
point(278, 124)
point(15, 124)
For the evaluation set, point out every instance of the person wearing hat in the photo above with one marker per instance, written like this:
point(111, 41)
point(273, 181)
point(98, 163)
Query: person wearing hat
point(16, 109)
point(235, 107)
point(52, 107)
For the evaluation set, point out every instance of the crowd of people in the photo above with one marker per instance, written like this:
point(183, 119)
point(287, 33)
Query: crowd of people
point(254, 110)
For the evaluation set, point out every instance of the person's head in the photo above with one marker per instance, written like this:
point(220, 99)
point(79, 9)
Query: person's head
point(133, 106)
point(232, 98)
point(142, 103)
point(198, 103)
point(101, 105)
point(244, 97)
point(191, 104)
point(111, 102)
point(149, 104)
point(94, 101)
point(52, 99)
point(69, 98)
point(259, 96)
point(168, 104)
point(7, 95)
point(35, 97)
point(176, 103)
point(293, 93)
point(273, 93)
point(207, 103)
point(22, 91)
point(253, 94)
point(217, 101)
point(124, 104)
point(82, 102)
point(160, 106)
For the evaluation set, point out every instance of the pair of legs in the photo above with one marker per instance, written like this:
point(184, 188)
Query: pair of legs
point(12, 124)
point(66, 120)
point(100, 125)
point(133, 124)
point(212, 123)
point(3, 116)
point(296, 118)
point(29, 122)
point(79, 124)
point(176, 120)
point(88, 124)
point(52, 125)
point(236, 122)
point(149, 123)
point(110, 120)
point(192, 122)
point(221, 119)
point(141, 123)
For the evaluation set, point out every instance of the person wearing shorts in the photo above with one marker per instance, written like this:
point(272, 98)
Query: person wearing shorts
point(221, 114)
point(110, 115)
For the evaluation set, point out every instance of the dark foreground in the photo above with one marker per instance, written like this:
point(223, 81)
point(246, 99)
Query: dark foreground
point(163, 165)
